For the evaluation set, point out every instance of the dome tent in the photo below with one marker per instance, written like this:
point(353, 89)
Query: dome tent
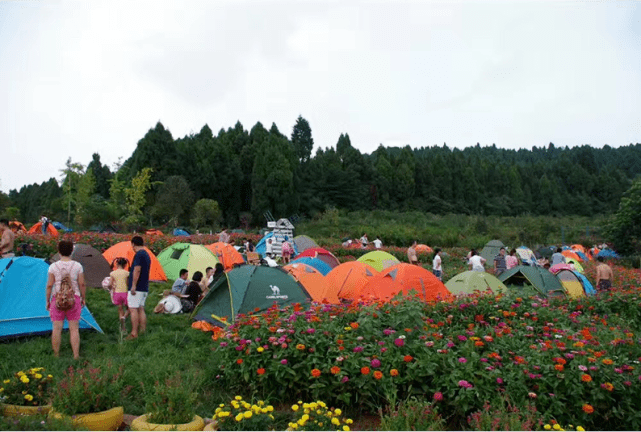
point(313, 281)
point(542, 280)
point(192, 257)
point(227, 255)
point(23, 282)
point(347, 280)
point(470, 281)
point(319, 265)
point(380, 260)
point(322, 254)
point(491, 250)
point(406, 279)
point(248, 289)
point(95, 266)
point(125, 250)
point(303, 242)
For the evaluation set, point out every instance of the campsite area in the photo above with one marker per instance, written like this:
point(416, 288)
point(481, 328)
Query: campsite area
point(522, 358)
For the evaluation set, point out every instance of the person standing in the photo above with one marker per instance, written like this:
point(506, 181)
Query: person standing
point(437, 264)
point(286, 250)
point(364, 241)
point(269, 248)
point(223, 236)
point(476, 262)
point(119, 290)
point(7, 239)
point(511, 260)
point(500, 265)
point(603, 275)
point(45, 224)
point(557, 257)
point(66, 281)
point(138, 287)
point(377, 243)
point(411, 254)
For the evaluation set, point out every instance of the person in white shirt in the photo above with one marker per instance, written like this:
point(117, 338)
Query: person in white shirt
point(437, 267)
point(476, 262)
point(364, 241)
point(377, 243)
point(269, 248)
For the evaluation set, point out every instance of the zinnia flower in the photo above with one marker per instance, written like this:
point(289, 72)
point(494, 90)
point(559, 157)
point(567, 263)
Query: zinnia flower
point(586, 378)
point(316, 373)
point(376, 363)
point(438, 396)
point(587, 408)
point(462, 360)
point(408, 358)
point(335, 370)
point(399, 342)
point(260, 371)
point(378, 375)
point(393, 372)
point(365, 370)
point(300, 347)
point(239, 361)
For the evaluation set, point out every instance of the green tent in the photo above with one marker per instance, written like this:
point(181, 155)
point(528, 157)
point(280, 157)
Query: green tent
point(491, 250)
point(188, 256)
point(380, 260)
point(470, 281)
point(248, 289)
point(541, 279)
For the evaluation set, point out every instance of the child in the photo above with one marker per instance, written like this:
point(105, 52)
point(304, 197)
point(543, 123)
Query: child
point(119, 290)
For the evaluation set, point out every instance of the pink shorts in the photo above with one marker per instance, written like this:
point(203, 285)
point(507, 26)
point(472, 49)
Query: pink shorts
point(119, 298)
point(72, 314)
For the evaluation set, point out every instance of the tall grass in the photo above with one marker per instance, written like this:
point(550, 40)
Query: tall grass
point(401, 228)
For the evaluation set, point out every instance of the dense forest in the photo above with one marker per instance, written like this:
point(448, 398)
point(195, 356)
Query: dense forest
point(236, 176)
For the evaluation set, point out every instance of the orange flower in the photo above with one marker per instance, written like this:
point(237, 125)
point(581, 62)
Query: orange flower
point(408, 358)
point(239, 361)
point(260, 371)
point(316, 373)
point(579, 344)
point(378, 375)
point(335, 370)
point(586, 378)
point(478, 344)
point(558, 367)
point(393, 372)
point(608, 386)
point(561, 361)
point(607, 361)
point(587, 408)
point(365, 370)
point(339, 341)
point(300, 347)
point(354, 325)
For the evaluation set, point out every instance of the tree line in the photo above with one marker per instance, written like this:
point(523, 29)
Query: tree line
point(236, 176)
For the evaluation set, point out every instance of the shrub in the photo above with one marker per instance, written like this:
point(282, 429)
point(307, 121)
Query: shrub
point(30, 388)
point(172, 401)
point(412, 414)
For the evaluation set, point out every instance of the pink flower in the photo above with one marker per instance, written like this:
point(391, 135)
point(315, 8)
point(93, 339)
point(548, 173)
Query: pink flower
point(532, 395)
point(358, 349)
point(399, 342)
point(438, 396)
point(450, 344)
point(344, 379)
point(462, 360)
point(429, 344)
point(283, 361)
point(465, 384)
point(582, 368)
point(499, 380)
point(462, 338)
point(376, 363)
point(311, 331)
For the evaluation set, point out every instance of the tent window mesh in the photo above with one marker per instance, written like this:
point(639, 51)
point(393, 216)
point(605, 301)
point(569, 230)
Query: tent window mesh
point(177, 253)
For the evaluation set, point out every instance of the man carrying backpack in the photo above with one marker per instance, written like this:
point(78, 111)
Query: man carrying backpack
point(138, 287)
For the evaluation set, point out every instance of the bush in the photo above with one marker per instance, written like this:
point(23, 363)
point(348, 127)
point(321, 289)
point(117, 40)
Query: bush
point(413, 415)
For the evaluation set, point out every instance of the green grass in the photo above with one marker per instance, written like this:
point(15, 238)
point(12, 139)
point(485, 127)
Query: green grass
point(169, 345)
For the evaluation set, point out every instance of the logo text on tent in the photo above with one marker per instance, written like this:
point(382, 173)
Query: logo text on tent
point(276, 293)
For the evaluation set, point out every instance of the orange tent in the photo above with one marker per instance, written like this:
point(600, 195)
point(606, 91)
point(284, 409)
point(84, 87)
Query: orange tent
point(405, 278)
point(322, 254)
point(313, 281)
point(124, 250)
point(17, 227)
point(347, 280)
point(423, 249)
point(37, 229)
point(578, 247)
point(154, 232)
point(571, 255)
point(226, 254)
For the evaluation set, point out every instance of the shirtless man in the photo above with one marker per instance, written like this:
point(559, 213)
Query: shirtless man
point(6, 243)
point(603, 275)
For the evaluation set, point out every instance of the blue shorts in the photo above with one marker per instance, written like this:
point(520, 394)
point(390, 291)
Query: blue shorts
point(438, 274)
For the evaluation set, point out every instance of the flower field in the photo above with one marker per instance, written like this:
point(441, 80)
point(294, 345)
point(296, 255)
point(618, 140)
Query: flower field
point(576, 361)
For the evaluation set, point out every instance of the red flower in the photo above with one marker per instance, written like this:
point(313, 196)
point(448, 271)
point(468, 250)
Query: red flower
point(587, 408)
point(365, 370)
point(378, 375)
point(260, 371)
point(316, 373)
point(239, 361)
point(335, 370)
point(408, 358)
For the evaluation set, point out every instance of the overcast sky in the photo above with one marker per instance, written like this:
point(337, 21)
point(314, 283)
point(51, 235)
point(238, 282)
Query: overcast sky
point(94, 76)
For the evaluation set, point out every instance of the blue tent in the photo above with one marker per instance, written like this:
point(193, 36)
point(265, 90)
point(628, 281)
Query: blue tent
point(587, 286)
point(608, 253)
point(582, 256)
point(23, 282)
point(60, 227)
point(260, 247)
point(181, 232)
point(319, 265)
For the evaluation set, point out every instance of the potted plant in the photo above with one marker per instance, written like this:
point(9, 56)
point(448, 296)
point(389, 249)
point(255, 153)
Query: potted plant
point(90, 397)
point(26, 393)
point(170, 406)
point(241, 415)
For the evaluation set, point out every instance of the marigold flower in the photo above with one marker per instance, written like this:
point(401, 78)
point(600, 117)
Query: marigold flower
point(393, 372)
point(587, 408)
point(547, 427)
point(295, 408)
point(365, 370)
point(28, 397)
point(335, 370)
point(378, 375)
point(408, 358)
point(316, 373)
point(260, 371)
point(586, 378)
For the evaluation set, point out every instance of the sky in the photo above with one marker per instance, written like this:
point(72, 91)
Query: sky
point(84, 77)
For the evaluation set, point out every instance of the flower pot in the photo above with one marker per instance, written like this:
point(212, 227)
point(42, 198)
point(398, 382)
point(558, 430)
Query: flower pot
point(141, 424)
point(19, 410)
point(109, 420)
point(213, 426)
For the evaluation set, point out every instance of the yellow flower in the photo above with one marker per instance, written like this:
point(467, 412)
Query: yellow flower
point(336, 421)
point(557, 427)
point(6, 381)
point(345, 428)
point(260, 349)
point(321, 403)
point(338, 411)
point(222, 405)
point(349, 421)
point(547, 427)
point(271, 417)
point(49, 376)
point(1, 389)
point(293, 425)
point(301, 422)
point(294, 407)
point(239, 417)
point(579, 428)
point(238, 398)
point(305, 417)
point(24, 379)
point(28, 397)
point(247, 414)
point(38, 376)
point(270, 408)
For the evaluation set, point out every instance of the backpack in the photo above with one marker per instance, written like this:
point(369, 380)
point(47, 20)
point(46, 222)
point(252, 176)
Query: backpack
point(65, 299)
